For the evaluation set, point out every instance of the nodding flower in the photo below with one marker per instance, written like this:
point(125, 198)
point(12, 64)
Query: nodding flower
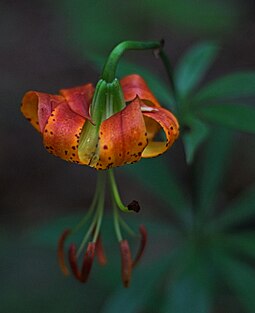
point(106, 126)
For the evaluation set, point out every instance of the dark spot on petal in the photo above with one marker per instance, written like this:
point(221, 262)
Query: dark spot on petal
point(105, 147)
point(140, 143)
point(109, 158)
point(66, 152)
point(73, 154)
point(51, 133)
point(73, 147)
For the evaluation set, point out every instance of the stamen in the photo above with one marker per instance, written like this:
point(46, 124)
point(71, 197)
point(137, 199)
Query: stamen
point(142, 246)
point(126, 262)
point(134, 206)
point(61, 252)
point(73, 261)
point(100, 251)
point(87, 262)
point(95, 200)
point(115, 193)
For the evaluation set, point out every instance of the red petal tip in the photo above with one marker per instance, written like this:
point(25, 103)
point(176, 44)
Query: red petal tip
point(61, 252)
point(142, 246)
point(126, 262)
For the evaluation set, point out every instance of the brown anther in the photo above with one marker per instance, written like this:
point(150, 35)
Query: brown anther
point(73, 261)
point(100, 252)
point(142, 246)
point(61, 252)
point(87, 262)
point(134, 206)
point(126, 262)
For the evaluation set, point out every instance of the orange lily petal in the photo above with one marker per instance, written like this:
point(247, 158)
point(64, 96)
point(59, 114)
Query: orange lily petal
point(133, 86)
point(62, 132)
point(37, 107)
point(122, 137)
point(79, 99)
point(169, 124)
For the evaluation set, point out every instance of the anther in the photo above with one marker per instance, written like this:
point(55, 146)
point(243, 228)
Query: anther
point(73, 261)
point(126, 262)
point(61, 252)
point(87, 262)
point(142, 246)
point(100, 252)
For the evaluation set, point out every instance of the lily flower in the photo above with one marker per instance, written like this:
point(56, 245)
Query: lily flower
point(113, 124)
point(123, 138)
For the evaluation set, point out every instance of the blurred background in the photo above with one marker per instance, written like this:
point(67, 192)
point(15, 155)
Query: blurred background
point(49, 45)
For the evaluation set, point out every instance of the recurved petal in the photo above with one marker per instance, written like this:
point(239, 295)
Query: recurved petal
point(79, 99)
point(37, 107)
point(122, 137)
point(133, 86)
point(170, 126)
point(62, 132)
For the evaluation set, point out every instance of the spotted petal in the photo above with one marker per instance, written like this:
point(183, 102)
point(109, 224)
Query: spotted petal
point(79, 99)
point(62, 132)
point(170, 126)
point(133, 86)
point(122, 137)
point(37, 107)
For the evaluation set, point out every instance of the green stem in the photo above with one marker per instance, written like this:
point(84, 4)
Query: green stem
point(92, 206)
point(115, 193)
point(116, 222)
point(97, 220)
point(111, 64)
point(170, 73)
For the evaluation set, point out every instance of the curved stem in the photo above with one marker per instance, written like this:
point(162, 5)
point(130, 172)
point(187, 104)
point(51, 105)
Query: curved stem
point(169, 69)
point(115, 193)
point(111, 64)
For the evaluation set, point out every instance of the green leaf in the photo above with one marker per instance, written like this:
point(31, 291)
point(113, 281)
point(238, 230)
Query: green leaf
point(194, 137)
point(157, 177)
point(239, 117)
point(202, 17)
point(193, 66)
point(236, 85)
point(188, 296)
point(238, 211)
point(240, 279)
point(241, 243)
point(133, 299)
point(190, 290)
point(210, 169)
